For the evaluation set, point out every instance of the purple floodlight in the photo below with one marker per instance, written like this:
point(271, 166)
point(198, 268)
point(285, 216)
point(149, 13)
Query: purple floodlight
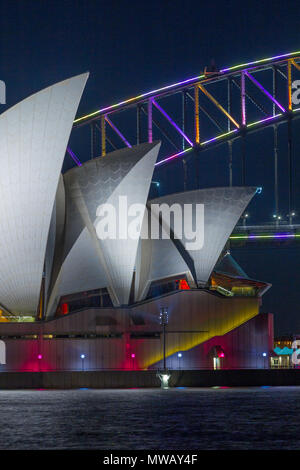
point(72, 154)
point(163, 112)
point(118, 132)
point(173, 156)
point(276, 235)
point(265, 91)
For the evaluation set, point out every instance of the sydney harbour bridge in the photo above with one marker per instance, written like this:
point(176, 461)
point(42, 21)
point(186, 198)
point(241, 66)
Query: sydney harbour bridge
point(219, 110)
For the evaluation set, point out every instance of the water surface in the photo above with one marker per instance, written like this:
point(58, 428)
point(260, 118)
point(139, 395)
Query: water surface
point(182, 418)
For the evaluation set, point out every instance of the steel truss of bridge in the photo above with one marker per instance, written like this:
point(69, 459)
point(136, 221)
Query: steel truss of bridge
point(196, 114)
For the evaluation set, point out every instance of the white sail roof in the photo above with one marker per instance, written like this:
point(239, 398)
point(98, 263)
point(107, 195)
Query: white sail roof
point(222, 210)
point(33, 140)
point(89, 262)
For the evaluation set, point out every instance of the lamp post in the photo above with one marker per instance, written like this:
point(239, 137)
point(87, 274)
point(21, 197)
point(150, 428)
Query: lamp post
point(291, 215)
point(277, 219)
point(40, 357)
point(264, 354)
point(164, 319)
point(82, 356)
point(179, 355)
point(132, 360)
point(164, 375)
point(245, 217)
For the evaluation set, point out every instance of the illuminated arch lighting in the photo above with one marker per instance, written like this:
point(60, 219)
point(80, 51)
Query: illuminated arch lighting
point(184, 82)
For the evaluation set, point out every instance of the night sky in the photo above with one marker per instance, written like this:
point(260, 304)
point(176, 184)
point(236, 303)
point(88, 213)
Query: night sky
point(131, 47)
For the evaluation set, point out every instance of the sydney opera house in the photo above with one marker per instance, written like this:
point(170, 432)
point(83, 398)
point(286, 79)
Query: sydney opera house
point(71, 301)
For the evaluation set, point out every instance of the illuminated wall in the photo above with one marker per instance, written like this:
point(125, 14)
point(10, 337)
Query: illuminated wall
point(129, 338)
point(200, 314)
point(249, 345)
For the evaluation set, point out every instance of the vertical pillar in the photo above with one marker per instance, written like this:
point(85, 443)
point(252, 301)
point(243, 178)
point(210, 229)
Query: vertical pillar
point(244, 119)
point(150, 121)
point(197, 128)
point(290, 168)
point(276, 169)
point(290, 149)
point(103, 137)
point(184, 163)
point(243, 159)
point(289, 73)
point(230, 161)
point(164, 321)
point(275, 146)
point(92, 130)
point(138, 125)
point(274, 89)
point(243, 99)
point(183, 117)
point(229, 106)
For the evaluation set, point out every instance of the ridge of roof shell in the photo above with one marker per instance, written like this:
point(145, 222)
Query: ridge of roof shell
point(62, 82)
point(115, 155)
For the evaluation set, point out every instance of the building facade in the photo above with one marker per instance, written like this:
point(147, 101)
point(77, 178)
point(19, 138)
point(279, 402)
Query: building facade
point(205, 330)
point(74, 300)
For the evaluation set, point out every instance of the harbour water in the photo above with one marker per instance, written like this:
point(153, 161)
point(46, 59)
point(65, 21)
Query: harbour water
point(179, 418)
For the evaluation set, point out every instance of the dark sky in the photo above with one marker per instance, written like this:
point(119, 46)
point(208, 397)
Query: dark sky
point(133, 46)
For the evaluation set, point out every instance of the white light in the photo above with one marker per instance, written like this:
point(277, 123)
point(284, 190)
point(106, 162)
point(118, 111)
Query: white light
point(82, 356)
point(179, 354)
point(164, 379)
point(264, 354)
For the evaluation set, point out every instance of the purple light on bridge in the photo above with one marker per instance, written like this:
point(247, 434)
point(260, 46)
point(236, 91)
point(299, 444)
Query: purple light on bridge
point(163, 112)
point(243, 97)
point(174, 156)
point(264, 120)
point(143, 95)
point(284, 235)
point(118, 132)
point(72, 155)
point(276, 235)
point(188, 81)
point(282, 56)
point(179, 154)
point(213, 139)
point(265, 91)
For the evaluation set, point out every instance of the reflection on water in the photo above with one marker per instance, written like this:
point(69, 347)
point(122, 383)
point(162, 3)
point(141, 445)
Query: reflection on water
point(214, 418)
